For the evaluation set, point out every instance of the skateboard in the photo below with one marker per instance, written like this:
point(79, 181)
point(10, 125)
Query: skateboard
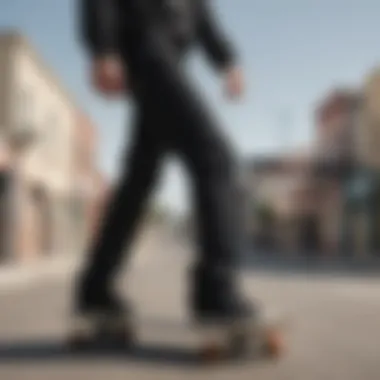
point(250, 339)
point(263, 337)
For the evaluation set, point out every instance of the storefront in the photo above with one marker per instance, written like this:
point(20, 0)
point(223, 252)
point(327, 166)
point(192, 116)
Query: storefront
point(361, 215)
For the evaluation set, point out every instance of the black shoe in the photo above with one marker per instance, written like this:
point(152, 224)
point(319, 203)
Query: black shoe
point(216, 299)
point(94, 297)
point(225, 311)
point(101, 319)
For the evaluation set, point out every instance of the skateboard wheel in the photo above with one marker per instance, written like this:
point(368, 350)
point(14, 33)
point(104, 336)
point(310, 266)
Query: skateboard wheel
point(274, 344)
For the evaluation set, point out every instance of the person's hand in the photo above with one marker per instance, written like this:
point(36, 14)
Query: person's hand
point(108, 76)
point(234, 82)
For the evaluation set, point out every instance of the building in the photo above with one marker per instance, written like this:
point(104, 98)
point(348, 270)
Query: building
point(308, 190)
point(89, 185)
point(39, 127)
point(364, 190)
point(338, 128)
point(356, 164)
point(327, 200)
point(369, 139)
point(335, 127)
point(285, 201)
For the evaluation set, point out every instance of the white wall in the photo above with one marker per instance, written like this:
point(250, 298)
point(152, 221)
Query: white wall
point(37, 103)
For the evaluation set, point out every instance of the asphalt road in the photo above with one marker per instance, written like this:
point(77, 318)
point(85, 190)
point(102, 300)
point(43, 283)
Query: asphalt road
point(334, 334)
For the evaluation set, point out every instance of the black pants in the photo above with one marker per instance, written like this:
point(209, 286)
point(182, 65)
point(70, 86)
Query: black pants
point(172, 117)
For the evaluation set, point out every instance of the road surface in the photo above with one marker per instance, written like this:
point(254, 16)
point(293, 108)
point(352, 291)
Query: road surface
point(335, 330)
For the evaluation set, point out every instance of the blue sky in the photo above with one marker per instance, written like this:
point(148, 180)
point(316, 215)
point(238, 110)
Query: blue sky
point(293, 52)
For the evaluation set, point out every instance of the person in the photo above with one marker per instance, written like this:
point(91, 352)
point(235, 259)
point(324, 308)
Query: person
point(138, 49)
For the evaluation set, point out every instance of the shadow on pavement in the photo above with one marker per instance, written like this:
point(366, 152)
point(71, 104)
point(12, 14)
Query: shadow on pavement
point(48, 351)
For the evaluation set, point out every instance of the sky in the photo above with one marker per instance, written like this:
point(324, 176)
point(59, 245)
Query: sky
point(293, 53)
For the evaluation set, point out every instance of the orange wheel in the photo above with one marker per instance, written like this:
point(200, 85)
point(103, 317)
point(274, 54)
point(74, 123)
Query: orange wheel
point(274, 345)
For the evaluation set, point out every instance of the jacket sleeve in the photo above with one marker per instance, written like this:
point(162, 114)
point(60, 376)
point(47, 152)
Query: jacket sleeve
point(98, 23)
point(215, 44)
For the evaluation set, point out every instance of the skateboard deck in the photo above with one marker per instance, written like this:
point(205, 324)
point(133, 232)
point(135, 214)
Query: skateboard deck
point(209, 342)
point(259, 338)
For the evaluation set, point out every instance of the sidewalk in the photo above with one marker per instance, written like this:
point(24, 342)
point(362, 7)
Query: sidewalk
point(19, 275)
point(15, 275)
point(148, 248)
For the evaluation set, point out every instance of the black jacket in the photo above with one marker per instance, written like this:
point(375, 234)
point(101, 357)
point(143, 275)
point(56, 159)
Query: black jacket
point(102, 20)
